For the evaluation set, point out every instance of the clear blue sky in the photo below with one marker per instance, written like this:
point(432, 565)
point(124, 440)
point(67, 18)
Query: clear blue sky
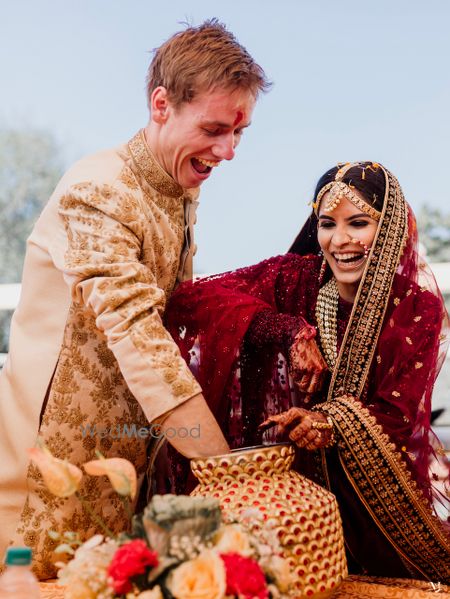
point(353, 80)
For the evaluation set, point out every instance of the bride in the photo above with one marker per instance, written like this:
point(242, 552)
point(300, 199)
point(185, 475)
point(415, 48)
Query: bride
point(336, 345)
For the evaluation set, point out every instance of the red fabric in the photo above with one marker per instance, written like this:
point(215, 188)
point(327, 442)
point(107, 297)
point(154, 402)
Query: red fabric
point(411, 348)
point(270, 327)
point(244, 382)
point(214, 315)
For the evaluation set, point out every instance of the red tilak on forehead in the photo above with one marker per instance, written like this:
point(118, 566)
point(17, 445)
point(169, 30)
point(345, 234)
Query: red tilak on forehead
point(238, 119)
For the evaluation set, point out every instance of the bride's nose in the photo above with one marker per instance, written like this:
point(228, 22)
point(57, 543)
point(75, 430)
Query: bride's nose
point(341, 237)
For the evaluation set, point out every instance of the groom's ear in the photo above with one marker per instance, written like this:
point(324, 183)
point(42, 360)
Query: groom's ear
point(159, 105)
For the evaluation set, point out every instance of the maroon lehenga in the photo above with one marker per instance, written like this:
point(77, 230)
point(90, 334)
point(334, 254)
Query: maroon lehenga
point(235, 330)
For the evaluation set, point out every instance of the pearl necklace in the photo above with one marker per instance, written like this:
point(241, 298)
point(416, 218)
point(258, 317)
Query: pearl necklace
point(326, 316)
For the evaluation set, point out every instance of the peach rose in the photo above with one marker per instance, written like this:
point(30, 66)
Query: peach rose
point(232, 539)
point(61, 478)
point(121, 474)
point(200, 578)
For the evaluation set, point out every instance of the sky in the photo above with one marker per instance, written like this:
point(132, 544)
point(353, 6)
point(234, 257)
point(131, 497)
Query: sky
point(352, 81)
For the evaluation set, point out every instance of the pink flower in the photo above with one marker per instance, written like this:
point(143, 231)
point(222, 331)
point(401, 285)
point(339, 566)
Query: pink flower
point(61, 478)
point(131, 559)
point(244, 576)
point(121, 474)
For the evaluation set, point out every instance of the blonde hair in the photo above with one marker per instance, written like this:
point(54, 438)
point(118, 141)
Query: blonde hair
point(202, 58)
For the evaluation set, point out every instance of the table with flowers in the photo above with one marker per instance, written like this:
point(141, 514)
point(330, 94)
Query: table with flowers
point(187, 547)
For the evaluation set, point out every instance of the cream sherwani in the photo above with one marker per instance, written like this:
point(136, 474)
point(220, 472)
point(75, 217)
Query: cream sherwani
point(88, 348)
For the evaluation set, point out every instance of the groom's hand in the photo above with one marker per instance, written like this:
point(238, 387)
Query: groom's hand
point(195, 414)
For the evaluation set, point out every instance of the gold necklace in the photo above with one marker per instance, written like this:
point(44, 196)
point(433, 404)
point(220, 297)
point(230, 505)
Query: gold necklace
point(326, 316)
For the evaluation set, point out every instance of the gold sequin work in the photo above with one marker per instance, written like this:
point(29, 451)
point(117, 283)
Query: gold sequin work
point(396, 505)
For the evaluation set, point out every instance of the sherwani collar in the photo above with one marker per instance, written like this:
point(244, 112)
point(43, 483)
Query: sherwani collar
point(152, 172)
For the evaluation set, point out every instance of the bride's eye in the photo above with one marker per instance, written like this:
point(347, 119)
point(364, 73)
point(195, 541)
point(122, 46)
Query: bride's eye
point(359, 223)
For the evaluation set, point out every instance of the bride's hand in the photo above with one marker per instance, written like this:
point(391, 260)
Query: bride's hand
point(306, 363)
point(307, 429)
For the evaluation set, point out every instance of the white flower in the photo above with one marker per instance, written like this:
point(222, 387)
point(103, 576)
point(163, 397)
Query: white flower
point(232, 539)
point(252, 513)
point(85, 576)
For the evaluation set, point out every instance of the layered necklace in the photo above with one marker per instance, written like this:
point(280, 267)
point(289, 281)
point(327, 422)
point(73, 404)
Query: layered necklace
point(326, 316)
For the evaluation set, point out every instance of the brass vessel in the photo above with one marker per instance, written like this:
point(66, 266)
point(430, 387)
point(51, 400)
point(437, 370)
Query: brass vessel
point(305, 515)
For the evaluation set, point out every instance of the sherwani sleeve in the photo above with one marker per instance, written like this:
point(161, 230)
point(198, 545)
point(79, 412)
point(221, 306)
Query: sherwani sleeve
point(103, 269)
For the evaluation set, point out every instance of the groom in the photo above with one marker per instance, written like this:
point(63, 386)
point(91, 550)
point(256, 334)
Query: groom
point(88, 349)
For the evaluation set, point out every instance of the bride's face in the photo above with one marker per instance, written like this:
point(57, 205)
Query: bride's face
point(345, 235)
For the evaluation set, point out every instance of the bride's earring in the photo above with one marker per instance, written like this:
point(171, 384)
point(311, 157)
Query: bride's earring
point(323, 268)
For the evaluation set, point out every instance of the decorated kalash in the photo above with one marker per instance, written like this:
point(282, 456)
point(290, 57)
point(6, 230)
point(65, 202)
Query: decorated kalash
point(303, 517)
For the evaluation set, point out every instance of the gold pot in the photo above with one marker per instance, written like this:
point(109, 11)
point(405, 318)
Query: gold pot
point(305, 515)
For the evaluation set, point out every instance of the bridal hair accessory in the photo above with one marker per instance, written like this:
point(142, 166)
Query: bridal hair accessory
point(338, 189)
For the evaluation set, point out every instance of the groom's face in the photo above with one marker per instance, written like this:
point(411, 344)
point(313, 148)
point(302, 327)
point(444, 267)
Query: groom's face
point(196, 136)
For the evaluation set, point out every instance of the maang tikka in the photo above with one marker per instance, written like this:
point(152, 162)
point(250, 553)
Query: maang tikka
point(338, 189)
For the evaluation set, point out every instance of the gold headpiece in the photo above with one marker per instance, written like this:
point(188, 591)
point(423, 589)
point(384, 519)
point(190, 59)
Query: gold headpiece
point(338, 189)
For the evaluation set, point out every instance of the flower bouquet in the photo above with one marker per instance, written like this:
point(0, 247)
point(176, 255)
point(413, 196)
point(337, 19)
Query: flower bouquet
point(180, 547)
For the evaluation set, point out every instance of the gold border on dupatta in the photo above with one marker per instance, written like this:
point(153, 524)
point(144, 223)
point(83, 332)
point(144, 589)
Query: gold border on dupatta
point(382, 481)
point(371, 461)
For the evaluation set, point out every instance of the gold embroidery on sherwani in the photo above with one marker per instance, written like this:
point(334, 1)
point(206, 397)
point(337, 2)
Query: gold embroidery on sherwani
point(124, 241)
point(109, 406)
point(152, 171)
point(127, 177)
